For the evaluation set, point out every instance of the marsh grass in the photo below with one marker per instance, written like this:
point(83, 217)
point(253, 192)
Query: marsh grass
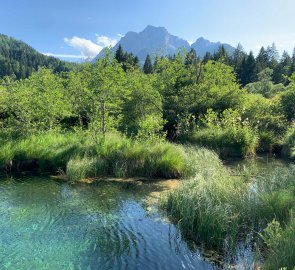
point(280, 243)
point(227, 142)
point(114, 155)
point(219, 208)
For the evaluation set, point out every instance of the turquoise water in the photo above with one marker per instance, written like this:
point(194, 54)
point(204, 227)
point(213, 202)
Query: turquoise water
point(45, 224)
point(48, 224)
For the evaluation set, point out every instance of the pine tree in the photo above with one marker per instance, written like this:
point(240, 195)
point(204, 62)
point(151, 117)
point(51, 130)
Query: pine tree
point(207, 57)
point(221, 55)
point(248, 69)
point(120, 55)
point(282, 69)
point(237, 59)
point(148, 66)
point(262, 60)
point(191, 58)
point(292, 68)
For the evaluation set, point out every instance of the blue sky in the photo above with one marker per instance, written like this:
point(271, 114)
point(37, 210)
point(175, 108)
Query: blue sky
point(82, 28)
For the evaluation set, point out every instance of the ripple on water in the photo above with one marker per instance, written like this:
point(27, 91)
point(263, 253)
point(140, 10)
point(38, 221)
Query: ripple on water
point(49, 225)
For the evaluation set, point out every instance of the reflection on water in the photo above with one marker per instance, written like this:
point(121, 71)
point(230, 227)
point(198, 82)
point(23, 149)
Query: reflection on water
point(45, 224)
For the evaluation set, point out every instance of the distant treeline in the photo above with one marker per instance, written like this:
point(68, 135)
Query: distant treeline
point(246, 66)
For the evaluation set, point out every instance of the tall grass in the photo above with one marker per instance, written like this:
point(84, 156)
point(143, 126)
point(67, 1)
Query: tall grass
point(218, 208)
point(115, 155)
point(210, 207)
point(227, 142)
point(280, 245)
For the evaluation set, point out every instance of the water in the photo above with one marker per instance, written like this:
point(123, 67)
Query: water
point(48, 224)
point(45, 224)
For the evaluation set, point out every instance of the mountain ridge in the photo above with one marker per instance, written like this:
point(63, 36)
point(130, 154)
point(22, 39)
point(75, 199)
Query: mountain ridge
point(157, 41)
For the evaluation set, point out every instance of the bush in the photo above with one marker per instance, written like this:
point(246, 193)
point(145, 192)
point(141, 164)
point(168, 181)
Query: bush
point(226, 134)
point(289, 145)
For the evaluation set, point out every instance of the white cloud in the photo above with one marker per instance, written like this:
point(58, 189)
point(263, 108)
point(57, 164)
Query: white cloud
point(105, 41)
point(65, 55)
point(120, 35)
point(87, 48)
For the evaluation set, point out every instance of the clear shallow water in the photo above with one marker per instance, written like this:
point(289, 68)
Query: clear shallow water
point(46, 224)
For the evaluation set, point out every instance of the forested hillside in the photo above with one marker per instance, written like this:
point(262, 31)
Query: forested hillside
point(18, 58)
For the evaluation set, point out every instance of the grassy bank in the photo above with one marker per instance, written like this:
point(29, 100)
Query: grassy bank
point(227, 142)
point(219, 208)
point(81, 157)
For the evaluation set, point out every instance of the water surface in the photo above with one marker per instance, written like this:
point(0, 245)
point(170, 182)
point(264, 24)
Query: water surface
point(45, 224)
point(48, 224)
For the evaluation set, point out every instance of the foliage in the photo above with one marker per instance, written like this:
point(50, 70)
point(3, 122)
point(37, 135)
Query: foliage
point(289, 142)
point(280, 245)
point(35, 104)
point(264, 85)
point(19, 59)
point(226, 133)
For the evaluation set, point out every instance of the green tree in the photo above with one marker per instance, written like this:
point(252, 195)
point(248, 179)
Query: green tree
point(148, 65)
point(142, 112)
point(265, 86)
point(38, 103)
point(248, 72)
point(120, 55)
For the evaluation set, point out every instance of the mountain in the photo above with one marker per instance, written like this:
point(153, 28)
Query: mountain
point(152, 40)
point(158, 41)
point(202, 46)
point(17, 57)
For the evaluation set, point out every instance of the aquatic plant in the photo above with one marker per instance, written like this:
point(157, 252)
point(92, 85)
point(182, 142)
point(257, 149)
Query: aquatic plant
point(218, 208)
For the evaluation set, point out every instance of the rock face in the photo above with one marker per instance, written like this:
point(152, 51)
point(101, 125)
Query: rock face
point(202, 46)
point(157, 41)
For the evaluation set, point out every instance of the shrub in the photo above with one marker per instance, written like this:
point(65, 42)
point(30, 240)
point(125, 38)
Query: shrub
point(226, 134)
point(289, 144)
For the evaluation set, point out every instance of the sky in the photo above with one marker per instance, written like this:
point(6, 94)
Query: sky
point(81, 28)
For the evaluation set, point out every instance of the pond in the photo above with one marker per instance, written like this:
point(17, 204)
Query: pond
point(49, 224)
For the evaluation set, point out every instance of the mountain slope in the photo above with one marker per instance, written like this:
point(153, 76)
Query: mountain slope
point(153, 41)
point(202, 46)
point(158, 41)
point(16, 57)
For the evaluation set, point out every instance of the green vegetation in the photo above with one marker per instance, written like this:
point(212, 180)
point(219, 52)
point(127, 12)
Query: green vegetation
point(181, 97)
point(280, 245)
point(220, 208)
point(290, 142)
point(227, 134)
point(20, 60)
point(82, 157)
point(112, 118)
